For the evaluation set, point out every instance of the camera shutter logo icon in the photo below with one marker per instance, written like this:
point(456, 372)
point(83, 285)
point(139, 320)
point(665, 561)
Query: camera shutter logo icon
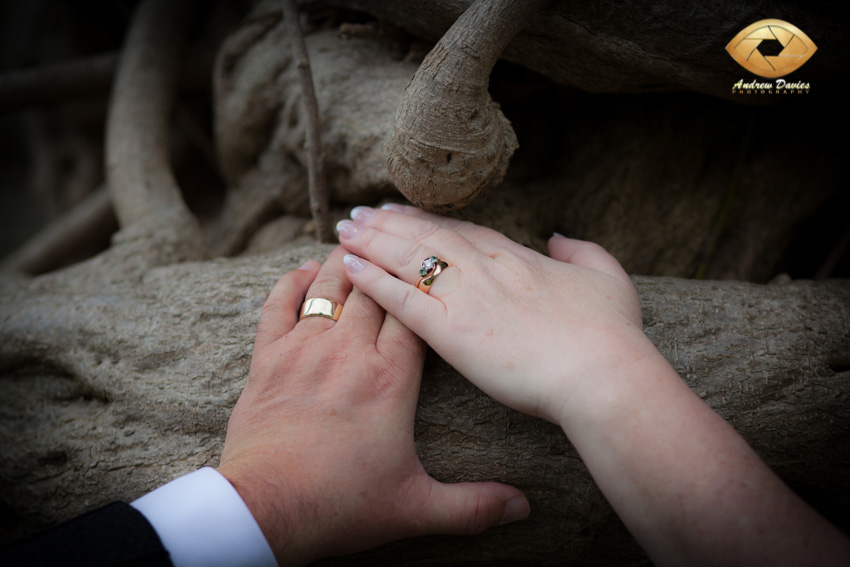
point(771, 48)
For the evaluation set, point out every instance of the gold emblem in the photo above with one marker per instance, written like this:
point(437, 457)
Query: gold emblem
point(797, 48)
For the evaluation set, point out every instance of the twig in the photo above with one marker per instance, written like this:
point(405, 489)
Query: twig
point(318, 190)
point(89, 222)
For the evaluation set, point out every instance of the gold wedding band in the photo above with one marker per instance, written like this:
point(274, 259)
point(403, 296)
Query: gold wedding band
point(321, 307)
point(430, 269)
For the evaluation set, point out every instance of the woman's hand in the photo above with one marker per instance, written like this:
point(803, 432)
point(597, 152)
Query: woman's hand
point(320, 444)
point(531, 331)
point(561, 338)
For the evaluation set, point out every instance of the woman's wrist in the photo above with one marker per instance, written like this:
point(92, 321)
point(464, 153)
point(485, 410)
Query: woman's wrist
point(613, 383)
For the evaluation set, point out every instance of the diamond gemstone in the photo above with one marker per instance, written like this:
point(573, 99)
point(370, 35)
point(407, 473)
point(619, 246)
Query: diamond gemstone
point(428, 264)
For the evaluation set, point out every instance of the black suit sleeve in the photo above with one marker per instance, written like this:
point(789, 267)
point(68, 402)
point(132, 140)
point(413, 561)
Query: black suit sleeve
point(116, 535)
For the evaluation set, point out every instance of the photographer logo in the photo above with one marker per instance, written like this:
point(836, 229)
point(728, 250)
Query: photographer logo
point(771, 49)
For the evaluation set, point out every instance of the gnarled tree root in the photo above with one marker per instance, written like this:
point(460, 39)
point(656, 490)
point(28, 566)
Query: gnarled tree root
point(450, 142)
point(142, 185)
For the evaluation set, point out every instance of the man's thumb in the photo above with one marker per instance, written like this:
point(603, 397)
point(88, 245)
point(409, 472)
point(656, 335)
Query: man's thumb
point(472, 507)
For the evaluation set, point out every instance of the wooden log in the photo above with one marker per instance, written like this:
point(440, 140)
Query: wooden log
point(114, 382)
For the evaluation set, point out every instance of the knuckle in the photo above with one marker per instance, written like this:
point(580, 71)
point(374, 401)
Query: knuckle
point(425, 230)
point(367, 237)
point(472, 230)
point(407, 255)
point(405, 296)
point(593, 249)
point(325, 286)
point(264, 328)
point(271, 308)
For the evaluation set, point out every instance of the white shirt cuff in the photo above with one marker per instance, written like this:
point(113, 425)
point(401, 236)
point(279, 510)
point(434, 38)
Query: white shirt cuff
point(202, 521)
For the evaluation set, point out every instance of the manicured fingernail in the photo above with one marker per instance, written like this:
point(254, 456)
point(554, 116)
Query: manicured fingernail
point(308, 265)
point(517, 508)
point(361, 214)
point(352, 263)
point(393, 207)
point(347, 229)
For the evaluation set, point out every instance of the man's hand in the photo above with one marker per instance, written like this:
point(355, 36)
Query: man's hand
point(320, 444)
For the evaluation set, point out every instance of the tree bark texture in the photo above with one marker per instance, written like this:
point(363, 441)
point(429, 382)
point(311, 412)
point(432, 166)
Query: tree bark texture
point(115, 381)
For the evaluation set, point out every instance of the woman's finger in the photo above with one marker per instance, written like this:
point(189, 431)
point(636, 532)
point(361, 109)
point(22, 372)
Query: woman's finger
point(417, 310)
point(428, 234)
point(461, 227)
point(486, 240)
point(332, 284)
point(280, 311)
point(398, 256)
